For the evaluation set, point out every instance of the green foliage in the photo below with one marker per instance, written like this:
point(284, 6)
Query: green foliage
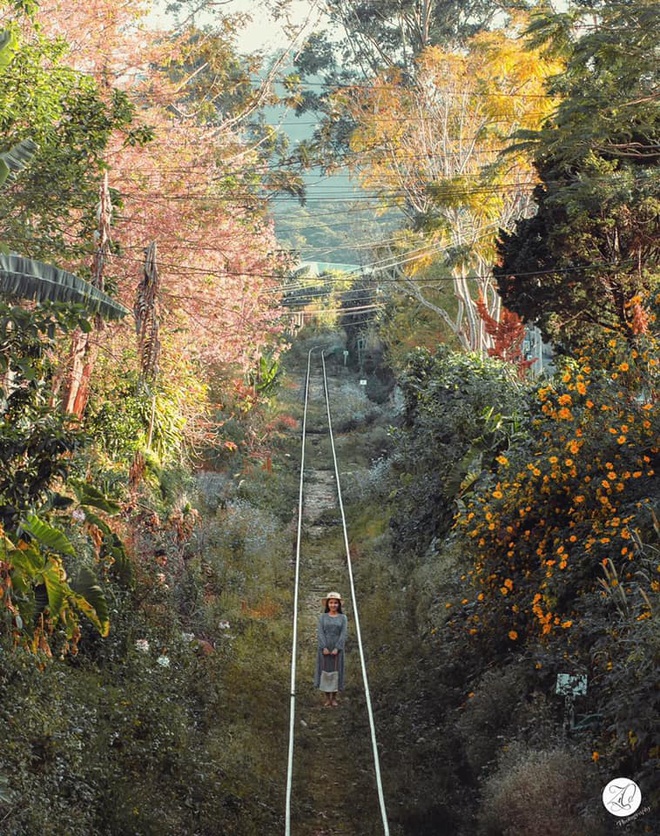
point(36, 441)
point(588, 260)
point(449, 429)
point(49, 212)
point(36, 444)
point(34, 566)
point(265, 378)
point(26, 278)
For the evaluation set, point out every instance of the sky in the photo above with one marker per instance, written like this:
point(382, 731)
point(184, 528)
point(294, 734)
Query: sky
point(263, 33)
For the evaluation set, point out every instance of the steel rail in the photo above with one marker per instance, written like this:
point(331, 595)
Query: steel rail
point(356, 616)
point(296, 586)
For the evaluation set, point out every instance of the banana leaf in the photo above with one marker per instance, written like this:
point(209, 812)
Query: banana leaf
point(89, 598)
point(56, 587)
point(48, 536)
point(29, 279)
point(8, 47)
point(15, 160)
point(88, 495)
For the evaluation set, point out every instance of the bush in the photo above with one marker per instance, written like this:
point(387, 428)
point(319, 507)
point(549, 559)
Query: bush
point(544, 792)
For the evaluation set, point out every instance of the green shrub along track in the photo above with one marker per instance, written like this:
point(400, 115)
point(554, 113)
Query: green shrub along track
point(334, 779)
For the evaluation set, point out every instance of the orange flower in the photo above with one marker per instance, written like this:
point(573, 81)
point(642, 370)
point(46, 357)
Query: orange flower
point(513, 635)
point(566, 624)
point(595, 757)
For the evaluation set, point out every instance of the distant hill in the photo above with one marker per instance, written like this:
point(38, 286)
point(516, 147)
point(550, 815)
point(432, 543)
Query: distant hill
point(338, 222)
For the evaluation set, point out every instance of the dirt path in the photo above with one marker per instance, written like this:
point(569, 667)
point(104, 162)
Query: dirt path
point(334, 787)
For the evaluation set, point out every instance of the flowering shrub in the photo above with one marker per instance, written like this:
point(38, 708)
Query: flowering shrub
point(566, 504)
point(561, 546)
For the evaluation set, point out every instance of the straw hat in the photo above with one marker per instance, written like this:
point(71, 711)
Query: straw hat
point(330, 595)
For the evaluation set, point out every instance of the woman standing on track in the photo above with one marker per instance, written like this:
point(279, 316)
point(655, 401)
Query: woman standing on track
point(331, 633)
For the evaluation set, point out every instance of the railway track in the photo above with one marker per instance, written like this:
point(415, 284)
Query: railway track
point(334, 784)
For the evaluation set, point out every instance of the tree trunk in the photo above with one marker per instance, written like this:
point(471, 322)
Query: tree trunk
point(84, 347)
